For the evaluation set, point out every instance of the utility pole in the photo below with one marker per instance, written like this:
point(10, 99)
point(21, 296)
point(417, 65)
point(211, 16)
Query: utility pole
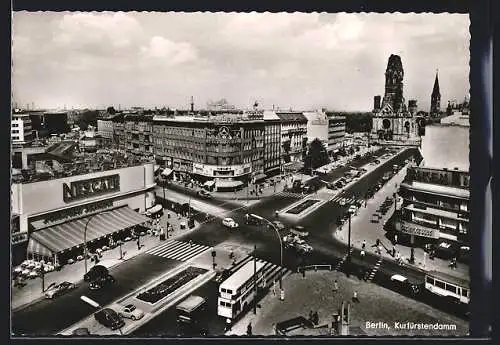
point(255, 279)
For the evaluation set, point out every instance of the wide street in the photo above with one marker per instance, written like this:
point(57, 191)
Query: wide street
point(135, 272)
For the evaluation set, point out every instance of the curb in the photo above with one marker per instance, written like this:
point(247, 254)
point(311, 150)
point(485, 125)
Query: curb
point(41, 298)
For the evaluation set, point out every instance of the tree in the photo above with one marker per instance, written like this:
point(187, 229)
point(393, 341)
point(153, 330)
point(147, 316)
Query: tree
point(316, 155)
point(111, 110)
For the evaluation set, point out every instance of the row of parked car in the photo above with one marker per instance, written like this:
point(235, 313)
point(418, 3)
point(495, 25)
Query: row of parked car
point(32, 269)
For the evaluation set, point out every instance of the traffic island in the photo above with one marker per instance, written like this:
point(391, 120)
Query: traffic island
point(167, 290)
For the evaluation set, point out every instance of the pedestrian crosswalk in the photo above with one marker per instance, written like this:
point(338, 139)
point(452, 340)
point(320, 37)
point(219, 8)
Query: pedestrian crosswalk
point(178, 250)
point(374, 270)
point(341, 261)
point(271, 272)
point(292, 195)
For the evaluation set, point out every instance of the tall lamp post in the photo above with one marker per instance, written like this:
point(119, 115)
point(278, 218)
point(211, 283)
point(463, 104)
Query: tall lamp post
point(256, 216)
point(85, 240)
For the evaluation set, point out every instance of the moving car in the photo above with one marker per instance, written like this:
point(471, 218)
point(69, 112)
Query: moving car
point(302, 247)
point(353, 209)
point(204, 193)
point(189, 310)
point(230, 223)
point(342, 202)
point(109, 318)
point(130, 311)
point(402, 284)
point(59, 289)
point(222, 275)
point(95, 272)
point(99, 283)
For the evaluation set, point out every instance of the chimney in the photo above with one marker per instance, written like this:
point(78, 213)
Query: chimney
point(192, 104)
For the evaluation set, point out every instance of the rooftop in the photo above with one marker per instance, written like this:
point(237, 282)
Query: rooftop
point(241, 275)
point(73, 163)
point(291, 116)
point(231, 118)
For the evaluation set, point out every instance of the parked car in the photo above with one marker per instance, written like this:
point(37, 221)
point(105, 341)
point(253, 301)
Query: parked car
point(353, 209)
point(109, 318)
point(59, 289)
point(342, 202)
point(375, 218)
point(230, 223)
point(130, 311)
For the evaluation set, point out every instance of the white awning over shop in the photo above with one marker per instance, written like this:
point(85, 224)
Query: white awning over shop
point(209, 183)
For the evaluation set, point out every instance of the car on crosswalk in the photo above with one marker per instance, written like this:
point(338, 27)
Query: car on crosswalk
point(230, 223)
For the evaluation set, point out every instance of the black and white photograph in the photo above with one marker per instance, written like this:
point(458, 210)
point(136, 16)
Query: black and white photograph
point(215, 174)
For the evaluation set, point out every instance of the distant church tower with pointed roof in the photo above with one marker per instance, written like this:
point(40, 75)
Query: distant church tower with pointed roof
point(435, 99)
point(392, 121)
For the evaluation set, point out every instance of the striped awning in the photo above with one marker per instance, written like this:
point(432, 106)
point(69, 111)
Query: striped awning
point(35, 247)
point(71, 234)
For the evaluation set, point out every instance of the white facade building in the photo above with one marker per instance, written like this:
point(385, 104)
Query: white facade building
point(20, 128)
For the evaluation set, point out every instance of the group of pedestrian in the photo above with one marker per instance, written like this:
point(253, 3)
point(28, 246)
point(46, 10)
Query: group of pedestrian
point(314, 317)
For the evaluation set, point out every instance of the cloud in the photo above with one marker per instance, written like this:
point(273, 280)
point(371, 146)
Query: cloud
point(168, 51)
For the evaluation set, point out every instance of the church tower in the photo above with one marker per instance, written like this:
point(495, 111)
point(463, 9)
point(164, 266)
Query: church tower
point(393, 97)
point(435, 98)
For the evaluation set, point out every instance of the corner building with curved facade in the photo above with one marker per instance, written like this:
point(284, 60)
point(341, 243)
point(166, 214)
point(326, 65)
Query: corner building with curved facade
point(224, 151)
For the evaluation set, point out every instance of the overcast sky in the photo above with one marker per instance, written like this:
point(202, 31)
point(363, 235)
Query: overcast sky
point(303, 61)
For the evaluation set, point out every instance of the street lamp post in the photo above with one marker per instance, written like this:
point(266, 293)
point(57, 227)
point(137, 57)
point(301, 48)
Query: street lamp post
point(85, 241)
point(279, 238)
point(349, 240)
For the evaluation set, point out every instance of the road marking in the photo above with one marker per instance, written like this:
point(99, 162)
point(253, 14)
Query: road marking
point(178, 250)
point(374, 270)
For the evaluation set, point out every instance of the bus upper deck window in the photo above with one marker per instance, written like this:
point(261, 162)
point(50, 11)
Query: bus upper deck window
point(465, 292)
point(429, 280)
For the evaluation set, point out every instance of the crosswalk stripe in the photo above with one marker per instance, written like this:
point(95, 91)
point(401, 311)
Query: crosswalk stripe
point(178, 250)
point(192, 252)
point(167, 249)
point(160, 248)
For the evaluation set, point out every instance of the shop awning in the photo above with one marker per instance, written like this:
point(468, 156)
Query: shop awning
point(166, 171)
point(68, 235)
point(260, 177)
point(228, 184)
point(209, 183)
point(35, 247)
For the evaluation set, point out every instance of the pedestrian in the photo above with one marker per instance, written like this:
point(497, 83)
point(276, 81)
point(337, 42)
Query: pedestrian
point(315, 318)
point(311, 316)
point(335, 286)
point(395, 238)
point(393, 251)
point(249, 329)
point(363, 245)
point(228, 324)
point(138, 244)
point(355, 297)
point(191, 243)
point(274, 287)
point(362, 254)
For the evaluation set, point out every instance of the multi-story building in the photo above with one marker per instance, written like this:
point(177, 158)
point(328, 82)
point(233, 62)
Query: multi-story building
point(436, 194)
point(336, 132)
point(293, 137)
point(21, 131)
point(135, 135)
point(272, 145)
point(317, 127)
point(51, 207)
point(223, 151)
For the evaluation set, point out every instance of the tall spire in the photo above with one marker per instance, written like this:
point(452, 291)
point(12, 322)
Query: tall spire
point(435, 90)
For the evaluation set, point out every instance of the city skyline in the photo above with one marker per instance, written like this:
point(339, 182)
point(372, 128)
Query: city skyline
point(288, 60)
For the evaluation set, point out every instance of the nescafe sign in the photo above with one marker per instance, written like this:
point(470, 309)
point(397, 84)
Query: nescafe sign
point(89, 188)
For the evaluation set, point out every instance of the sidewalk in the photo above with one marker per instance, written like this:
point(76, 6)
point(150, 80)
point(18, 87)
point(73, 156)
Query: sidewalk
point(32, 291)
point(363, 229)
point(377, 304)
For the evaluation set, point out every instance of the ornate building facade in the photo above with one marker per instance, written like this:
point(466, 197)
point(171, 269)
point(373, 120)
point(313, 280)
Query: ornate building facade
point(392, 121)
point(224, 150)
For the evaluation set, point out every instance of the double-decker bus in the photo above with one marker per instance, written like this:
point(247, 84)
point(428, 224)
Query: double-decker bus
point(448, 286)
point(238, 291)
